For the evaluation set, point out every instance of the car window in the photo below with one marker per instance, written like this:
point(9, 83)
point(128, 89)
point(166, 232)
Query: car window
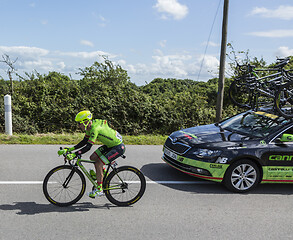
point(288, 131)
point(254, 124)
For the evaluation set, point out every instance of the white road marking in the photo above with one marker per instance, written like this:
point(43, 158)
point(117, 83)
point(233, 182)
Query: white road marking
point(178, 182)
point(20, 182)
point(148, 182)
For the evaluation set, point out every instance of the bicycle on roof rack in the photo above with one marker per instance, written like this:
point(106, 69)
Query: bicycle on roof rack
point(275, 90)
point(65, 185)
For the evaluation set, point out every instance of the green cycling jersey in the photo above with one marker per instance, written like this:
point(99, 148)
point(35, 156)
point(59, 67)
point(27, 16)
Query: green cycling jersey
point(101, 131)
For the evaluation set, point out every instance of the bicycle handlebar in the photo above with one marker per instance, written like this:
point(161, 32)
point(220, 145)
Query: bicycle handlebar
point(248, 68)
point(69, 152)
point(245, 67)
point(282, 62)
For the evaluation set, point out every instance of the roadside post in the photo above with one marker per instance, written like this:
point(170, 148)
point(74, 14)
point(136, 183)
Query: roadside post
point(8, 114)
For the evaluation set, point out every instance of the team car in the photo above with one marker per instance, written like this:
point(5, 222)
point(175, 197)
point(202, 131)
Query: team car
point(242, 151)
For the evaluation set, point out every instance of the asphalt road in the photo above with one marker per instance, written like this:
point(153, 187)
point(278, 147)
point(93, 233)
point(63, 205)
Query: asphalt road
point(175, 206)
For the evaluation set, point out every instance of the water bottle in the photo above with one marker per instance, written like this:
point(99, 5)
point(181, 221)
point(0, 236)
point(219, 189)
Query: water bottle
point(93, 174)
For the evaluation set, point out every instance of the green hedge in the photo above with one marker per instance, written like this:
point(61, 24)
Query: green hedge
point(49, 103)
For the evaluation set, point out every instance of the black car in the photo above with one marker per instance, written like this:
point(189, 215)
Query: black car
point(249, 148)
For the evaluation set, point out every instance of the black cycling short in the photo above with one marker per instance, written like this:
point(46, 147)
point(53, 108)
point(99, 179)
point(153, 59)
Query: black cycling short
point(108, 155)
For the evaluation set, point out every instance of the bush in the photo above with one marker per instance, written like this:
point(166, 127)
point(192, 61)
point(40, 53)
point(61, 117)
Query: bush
point(49, 103)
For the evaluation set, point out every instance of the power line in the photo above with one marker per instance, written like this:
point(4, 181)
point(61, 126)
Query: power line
point(208, 39)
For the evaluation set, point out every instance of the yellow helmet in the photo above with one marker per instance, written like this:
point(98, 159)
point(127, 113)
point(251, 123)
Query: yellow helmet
point(84, 116)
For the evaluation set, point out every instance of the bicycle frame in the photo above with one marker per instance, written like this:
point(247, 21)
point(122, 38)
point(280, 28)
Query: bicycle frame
point(87, 174)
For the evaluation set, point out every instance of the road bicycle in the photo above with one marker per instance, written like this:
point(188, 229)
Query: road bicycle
point(66, 184)
point(249, 90)
point(284, 100)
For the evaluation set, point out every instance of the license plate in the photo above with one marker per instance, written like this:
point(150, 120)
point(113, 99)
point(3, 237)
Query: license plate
point(170, 154)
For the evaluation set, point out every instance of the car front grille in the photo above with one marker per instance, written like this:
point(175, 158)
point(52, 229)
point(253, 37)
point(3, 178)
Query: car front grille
point(176, 147)
point(185, 167)
point(177, 164)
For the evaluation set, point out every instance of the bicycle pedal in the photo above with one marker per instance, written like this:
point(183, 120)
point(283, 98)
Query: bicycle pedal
point(98, 194)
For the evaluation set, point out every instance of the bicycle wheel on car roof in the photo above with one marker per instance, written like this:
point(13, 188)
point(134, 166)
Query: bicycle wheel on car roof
point(284, 100)
point(124, 186)
point(64, 185)
point(240, 93)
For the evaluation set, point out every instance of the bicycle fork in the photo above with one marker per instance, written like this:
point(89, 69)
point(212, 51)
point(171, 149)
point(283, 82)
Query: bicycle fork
point(67, 180)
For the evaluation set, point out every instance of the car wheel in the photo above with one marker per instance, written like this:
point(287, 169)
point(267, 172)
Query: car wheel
point(242, 176)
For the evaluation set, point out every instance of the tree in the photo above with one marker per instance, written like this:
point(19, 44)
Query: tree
point(10, 70)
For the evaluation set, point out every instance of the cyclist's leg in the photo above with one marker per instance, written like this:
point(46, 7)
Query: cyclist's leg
point(104, 155)
point(101, 160)
point(98, 157)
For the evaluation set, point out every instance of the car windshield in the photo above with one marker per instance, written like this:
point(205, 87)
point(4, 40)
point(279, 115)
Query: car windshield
point(254, 124)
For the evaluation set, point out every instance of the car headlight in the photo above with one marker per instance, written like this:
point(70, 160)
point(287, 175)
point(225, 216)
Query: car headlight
point(207, 153)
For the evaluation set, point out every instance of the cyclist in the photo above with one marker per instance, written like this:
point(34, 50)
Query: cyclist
point(112, 147)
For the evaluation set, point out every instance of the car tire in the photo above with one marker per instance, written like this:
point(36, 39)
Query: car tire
point(242, 176)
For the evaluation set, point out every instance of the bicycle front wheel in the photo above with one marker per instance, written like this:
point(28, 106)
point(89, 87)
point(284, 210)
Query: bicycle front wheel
point(64, 185)
point(125, 186)
point(240, 94)
point(284, 100)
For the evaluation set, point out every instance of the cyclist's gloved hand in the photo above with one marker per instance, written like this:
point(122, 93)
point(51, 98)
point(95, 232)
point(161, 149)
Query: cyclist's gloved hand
point(62, 151)
point(71, 156)
point(65, 150)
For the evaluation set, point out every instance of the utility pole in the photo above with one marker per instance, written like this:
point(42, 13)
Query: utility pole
point(220, 95)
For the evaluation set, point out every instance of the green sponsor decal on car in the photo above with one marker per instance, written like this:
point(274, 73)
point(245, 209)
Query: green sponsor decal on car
point(277, 174)
point(216, 170)
point(287, 138)
point(281, 157)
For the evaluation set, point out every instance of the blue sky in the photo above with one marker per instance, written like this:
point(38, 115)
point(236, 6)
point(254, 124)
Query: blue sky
point(148, 38)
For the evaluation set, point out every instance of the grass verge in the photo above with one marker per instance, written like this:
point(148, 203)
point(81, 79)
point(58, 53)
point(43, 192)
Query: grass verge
point(74, 138)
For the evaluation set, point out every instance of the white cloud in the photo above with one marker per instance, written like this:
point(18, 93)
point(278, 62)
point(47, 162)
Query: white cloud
point(38, 64)
point(173, 66)
point(42, 60)
point(165, 65)
point(61, 65)
point(170, 64)
point(86, 43)
point(284, 52)
point(282, 12)
point(171, 8)
point(211, 63)
point(212, 44)
point(103, 21)
point(163, 43)
point(279, 33)
point(87, 55)
point(23, 51)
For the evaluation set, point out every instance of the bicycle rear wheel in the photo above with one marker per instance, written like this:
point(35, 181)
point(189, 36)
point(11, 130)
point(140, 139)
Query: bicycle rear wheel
point(240, 94)
point(284, 100)
point(124, 186)
point(64, 185)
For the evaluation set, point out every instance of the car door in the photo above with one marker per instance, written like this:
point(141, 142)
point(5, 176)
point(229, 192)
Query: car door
point(279, 159)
